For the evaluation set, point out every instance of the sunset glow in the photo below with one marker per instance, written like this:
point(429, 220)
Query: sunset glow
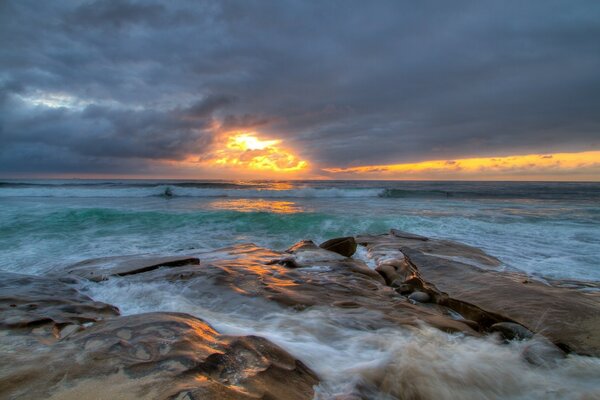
point(508, 166)
point(257, 205)
point(248, 151)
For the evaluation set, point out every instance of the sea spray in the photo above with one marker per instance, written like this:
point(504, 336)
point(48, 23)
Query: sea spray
point(389, 363)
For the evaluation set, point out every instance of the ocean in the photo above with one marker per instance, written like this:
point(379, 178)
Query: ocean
point(547, 230)
point(544, 229)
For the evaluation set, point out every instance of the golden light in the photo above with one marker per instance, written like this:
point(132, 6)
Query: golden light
point(585, 164)
point(245, 141)
point(246, 150)
point(257, 205)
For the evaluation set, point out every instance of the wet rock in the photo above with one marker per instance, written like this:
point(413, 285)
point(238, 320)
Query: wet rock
point(302, 245)
point(345, 246)
point(421, 297)
point(388, 273)
point(541, 352)
point(511, 331)
point(407, 235)
point(466, 280)
point(446, 249)
point(157, 356)
point(29, 302)
point(471, 323)
point(401, 286)
point(348, 397)
point(100, 269)
point(404, 288)
point(394, 270)
point(320, 278)
point(69, 330)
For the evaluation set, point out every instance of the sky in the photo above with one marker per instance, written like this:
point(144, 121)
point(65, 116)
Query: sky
point(300, 89)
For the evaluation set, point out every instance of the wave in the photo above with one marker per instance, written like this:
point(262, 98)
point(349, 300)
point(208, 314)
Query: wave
point(123, 184)
point(305, 189)
point(498, 192)
point(185, 191)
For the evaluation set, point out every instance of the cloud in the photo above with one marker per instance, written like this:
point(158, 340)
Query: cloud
point(107, 86)
point(581, 166)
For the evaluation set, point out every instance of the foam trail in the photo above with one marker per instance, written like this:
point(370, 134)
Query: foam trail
point(380, 364)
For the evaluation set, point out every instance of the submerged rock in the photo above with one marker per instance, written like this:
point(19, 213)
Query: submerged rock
point(543, 353)
point(511, 331)
point(346, 246)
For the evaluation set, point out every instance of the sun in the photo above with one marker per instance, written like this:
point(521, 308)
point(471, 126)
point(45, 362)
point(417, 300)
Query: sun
point(246, 141)
point(248, 151)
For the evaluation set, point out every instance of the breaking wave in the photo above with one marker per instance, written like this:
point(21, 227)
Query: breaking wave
point(183, 191)
point(302, 189)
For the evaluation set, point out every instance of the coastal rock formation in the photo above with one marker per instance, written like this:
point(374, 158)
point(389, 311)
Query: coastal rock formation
point(144, 356)
point(58, 343)
point(303, 276)
point(49, 306)
point(99, 269)
point(468, 281)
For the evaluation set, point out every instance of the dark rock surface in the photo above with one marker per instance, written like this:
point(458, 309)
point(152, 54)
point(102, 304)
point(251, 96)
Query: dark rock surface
point(48, 305)
point(99, 269)
point(511, 331)
point(345, 246)
point(421, 297)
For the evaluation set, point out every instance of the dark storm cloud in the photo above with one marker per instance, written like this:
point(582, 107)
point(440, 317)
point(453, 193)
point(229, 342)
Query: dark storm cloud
point(110, 86)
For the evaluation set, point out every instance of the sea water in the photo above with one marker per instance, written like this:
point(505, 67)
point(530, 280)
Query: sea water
point(547, 230)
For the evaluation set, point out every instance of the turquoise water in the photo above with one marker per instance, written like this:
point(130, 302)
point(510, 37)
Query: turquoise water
point(547, 230)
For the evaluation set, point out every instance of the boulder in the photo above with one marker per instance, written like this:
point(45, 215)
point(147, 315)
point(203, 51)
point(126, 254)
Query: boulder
point(345, 246)
point(421, 297)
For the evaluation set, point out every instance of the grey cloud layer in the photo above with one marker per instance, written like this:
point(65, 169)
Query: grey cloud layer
point(346, 82)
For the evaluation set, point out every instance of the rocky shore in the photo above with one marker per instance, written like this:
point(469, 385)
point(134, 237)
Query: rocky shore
point(57, 342)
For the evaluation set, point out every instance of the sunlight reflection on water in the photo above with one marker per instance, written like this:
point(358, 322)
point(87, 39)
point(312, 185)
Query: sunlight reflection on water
point(257, 205)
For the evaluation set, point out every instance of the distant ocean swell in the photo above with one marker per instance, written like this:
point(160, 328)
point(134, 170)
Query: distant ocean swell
point(184, 191)
point(257, 190)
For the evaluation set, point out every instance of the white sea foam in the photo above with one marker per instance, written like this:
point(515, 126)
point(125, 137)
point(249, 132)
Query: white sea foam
point(381, 364)
point(137, 192)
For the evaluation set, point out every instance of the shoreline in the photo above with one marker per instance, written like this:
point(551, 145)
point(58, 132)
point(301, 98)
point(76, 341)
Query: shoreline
point(413, 283)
